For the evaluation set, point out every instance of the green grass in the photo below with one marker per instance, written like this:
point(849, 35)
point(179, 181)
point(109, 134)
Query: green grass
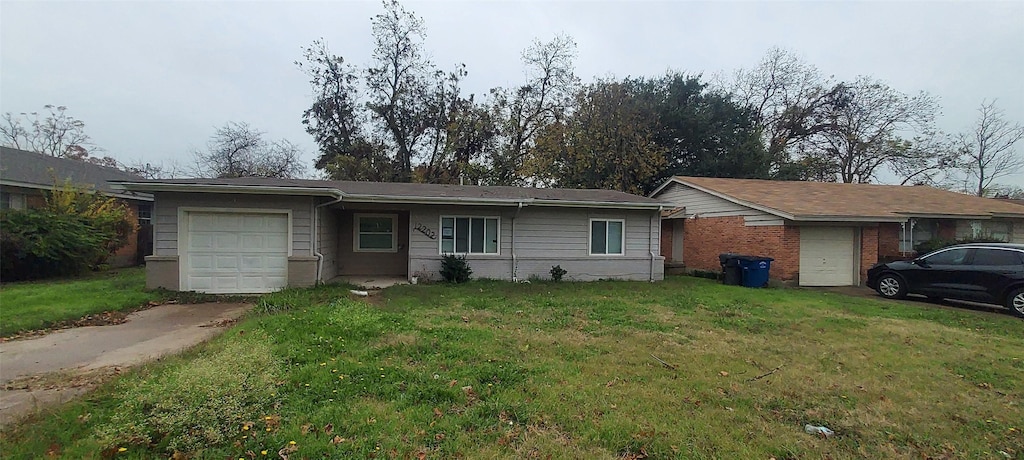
point(39, 304)
point(565, 370)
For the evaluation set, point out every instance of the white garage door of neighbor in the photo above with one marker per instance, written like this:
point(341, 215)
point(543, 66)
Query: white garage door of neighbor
point(235, 253)
point(827, 256)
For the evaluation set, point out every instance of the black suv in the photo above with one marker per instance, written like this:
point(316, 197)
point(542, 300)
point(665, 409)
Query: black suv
point(978, 272)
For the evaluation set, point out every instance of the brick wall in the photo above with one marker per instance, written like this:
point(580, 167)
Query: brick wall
point(888, 237)
point(705, 238)
point(666, 239)
point(870, 246)
point(127, 256)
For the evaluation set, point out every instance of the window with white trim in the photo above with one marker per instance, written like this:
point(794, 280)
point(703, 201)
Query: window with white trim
point(375, 233)
point(469, 235)
point(607, 236)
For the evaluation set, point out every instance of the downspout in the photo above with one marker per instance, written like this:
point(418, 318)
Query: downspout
point(316, 237)
point(650, 241)
point(515, 264)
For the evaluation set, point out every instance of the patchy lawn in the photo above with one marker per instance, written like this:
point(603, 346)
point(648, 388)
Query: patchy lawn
point(681, 369)
point(40, 304)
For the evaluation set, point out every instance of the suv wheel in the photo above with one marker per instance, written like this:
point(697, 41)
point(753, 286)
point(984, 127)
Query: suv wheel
point(1015, 302)
point(891, 286)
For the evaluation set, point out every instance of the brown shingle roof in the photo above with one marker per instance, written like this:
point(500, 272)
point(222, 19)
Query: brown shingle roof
point(31, 168)
point(817, 200)
point(394, 190)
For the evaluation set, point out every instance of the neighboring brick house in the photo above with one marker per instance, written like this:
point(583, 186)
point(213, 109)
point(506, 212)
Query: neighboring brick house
point(820, 234)
point(26, 176)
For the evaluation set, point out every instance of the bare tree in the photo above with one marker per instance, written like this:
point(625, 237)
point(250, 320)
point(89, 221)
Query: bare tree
point(787, 97)
point(237, 150)
point(53, 133)
point(989, 148)
point(159, 170)
point(865, 125)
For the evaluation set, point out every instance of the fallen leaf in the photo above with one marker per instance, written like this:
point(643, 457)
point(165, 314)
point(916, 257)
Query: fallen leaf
point(178, 456)
point(304, 429)
point(329, 428)
point(452, 383)
point(438, 413)
point(723, 373)
point(287, 450)
point(439, 436)
point(421, 455)
point(337, 440)
point(465, 319)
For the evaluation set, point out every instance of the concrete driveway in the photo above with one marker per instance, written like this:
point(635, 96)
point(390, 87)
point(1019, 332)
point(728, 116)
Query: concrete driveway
point(38, 371)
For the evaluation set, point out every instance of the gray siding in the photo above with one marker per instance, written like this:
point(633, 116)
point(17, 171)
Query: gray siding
point(543, 237)
point(165, 216)
point(329, 232)
point(708, 205)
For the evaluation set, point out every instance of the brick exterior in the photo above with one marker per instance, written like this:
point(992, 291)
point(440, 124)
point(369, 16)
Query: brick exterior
point(870, 246)
point(705, 238)
point(666, 239)
point(947, 229)
point(888, 237)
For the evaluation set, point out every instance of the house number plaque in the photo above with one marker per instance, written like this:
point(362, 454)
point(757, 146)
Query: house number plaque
point(426, 231)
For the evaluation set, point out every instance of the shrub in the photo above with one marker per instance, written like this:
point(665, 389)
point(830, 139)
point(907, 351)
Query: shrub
point(198, 403)
point(557, 272)
point(75, 231)
point(455, 269)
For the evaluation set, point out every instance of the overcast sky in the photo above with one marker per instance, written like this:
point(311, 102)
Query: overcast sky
point(152, 80)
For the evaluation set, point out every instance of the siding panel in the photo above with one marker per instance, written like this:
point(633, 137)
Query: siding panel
point(707, 205)
point(166, 215)
point(544, 237)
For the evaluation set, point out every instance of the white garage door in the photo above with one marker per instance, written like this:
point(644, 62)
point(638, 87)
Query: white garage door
point(235, 253)
point(827, 256)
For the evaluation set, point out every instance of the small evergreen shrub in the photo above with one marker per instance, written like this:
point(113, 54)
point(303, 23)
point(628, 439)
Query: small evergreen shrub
point(557, 272)
point(455, 269)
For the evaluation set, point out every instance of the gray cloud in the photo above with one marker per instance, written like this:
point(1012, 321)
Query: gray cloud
point(152, 79)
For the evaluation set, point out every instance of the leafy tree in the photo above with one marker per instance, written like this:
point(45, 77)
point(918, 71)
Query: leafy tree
point(523, 112)
point(703, 132)
point(336, 121)
point(399, 118)
point(75, 231)
point(237, 150)
point(989, 148)
point(606, 142)
point(54, 133)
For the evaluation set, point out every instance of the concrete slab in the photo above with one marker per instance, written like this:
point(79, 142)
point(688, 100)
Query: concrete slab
point(372, 282)
point(147, 335)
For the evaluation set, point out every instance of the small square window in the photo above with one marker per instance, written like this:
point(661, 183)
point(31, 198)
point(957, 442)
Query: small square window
point(375, 233)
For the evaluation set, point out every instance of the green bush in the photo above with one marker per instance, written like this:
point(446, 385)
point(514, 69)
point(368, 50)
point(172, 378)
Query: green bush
point(75, 231)
point(557, 272)
point(201, 402)
point(455, 269)
point(935, 244)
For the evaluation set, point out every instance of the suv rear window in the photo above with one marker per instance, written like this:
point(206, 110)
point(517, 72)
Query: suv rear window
point(997, 257)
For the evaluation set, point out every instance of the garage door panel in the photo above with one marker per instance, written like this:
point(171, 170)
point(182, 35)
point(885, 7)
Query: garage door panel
point(827, 256)
point(236, 252)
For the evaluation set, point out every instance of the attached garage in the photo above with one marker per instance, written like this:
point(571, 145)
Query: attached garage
point(231, 252)
point(828, 256)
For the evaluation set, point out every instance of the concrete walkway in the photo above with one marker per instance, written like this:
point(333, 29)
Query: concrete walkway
point(147, 335)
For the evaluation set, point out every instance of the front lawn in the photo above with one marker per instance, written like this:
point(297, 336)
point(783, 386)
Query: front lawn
point(685, 368)
point(40, 304)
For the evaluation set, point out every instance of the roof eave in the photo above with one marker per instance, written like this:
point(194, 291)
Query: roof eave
point(373, 198)
point(221, 188)
point(824, 218)
point(114, 193)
